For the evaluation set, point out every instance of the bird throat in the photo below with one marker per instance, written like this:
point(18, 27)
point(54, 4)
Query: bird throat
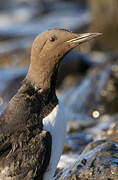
point(43, 79)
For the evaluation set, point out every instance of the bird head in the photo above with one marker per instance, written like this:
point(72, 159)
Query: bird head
point(48, 50)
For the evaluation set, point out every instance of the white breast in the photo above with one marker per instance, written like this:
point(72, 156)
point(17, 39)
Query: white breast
point(55, 123)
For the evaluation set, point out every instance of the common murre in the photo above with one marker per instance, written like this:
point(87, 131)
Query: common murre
point(33, 125)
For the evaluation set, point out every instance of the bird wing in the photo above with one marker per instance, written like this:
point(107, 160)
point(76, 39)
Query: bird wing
point(26, 160)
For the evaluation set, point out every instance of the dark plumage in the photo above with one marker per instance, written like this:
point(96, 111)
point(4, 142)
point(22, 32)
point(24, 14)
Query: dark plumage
point(25, 148)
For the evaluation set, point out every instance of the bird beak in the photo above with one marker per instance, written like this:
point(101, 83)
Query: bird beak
point(81, 38)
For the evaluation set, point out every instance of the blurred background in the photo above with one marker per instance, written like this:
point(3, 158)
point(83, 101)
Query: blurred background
point(88, 77)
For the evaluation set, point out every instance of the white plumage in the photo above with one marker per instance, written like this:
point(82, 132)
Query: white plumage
point(55, 123)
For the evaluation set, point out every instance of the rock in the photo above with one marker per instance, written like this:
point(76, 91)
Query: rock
point(66, 160)
point(10, 81)
point(96, 94)
point(9, 47)
point(100, 163)
point(99, 130)
point(74, 66)
point(78, 141)
point(113, 128)
point(109, 94)
point(60, 14)
point(85, 97)
point(79, 121)
point(104, 12)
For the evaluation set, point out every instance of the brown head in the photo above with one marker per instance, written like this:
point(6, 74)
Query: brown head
point(47, 51)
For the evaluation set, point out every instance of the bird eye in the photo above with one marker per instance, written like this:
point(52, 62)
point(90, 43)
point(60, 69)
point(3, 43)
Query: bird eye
point(52, 38)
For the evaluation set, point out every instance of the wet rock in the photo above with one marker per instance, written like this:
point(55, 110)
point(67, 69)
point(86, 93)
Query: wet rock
point(96, 94)
point(113, 128)
point(74, 66)
point(109, 95)
point(100, 163)
point(79, 121)
point(10, 81)
point(66, 160)
point(99, 130)
point(60, 14)
point(9, 47)
point(85, 97)
point(78, 141)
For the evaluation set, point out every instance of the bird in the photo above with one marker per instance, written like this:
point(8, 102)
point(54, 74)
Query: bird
point(33, 124)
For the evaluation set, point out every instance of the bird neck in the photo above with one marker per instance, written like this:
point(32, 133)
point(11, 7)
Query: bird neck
point(43, 76)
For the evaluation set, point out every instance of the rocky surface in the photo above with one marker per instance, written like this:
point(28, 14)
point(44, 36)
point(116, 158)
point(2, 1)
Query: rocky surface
point(100, 163)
